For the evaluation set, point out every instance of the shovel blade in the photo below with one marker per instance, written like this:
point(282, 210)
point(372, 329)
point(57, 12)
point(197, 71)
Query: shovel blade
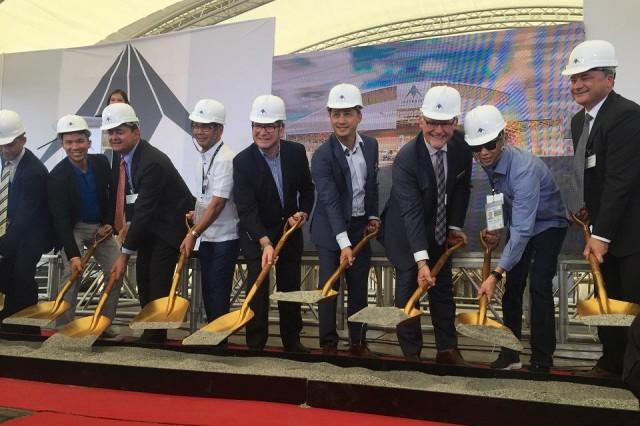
point(387, 316)
point(620, 314)
point(489, 332)
point(219, 329)
point(154, 316)
point(39, 315)
point(306, 296)
point(78, 334)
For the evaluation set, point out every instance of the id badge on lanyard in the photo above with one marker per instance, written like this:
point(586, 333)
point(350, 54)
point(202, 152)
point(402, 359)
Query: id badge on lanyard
point(494, 211)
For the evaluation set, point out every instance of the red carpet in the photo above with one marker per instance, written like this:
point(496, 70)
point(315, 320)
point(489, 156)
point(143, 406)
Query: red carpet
point(73, 405)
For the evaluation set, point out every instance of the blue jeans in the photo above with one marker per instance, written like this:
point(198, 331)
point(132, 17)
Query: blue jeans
point(217, 262)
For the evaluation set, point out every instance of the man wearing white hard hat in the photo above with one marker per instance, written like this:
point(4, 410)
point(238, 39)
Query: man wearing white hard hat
point(526, 202)
point(216, 217)
point(25, 225)
point(81, 204)
point(345, 171)
point(425, 213)
point(272, 185)
point(151, 197)
point(606, 140)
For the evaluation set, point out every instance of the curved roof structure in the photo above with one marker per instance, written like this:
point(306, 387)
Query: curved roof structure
point(301, 25)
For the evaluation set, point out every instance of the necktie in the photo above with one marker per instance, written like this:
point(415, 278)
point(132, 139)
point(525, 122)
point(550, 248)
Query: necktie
point(4, 197)
point(122, 181)
point(441, 215)
point(576, 201)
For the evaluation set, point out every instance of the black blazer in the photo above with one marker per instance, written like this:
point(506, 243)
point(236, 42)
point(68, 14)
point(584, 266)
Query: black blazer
point(163, 198)
point(331, 174)
point(65, 203)
point(409, 218)
point(256, 195)
point(30, 226)
point(612, 187)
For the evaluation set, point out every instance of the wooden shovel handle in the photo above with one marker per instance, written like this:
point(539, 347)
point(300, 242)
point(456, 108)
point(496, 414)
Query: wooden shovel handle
point(595, 267)
point(328, 285)
point(420, 291)
point(286, 233)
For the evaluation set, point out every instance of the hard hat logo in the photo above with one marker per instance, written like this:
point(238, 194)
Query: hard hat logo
point(439, 106)
point(480, 130)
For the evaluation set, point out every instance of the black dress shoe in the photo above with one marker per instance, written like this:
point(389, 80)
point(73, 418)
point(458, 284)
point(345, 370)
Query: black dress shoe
point(329, 350)
point(451, 357)
point(600, 373)
point(412, 358)
point(362, 350)
point(297, 348)
point(537, 368)
point(153, 337)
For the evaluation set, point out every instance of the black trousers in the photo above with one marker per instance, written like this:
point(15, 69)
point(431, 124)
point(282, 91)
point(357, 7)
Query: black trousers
point(631, 371)
point(622, 280)
point(441, 305)
point(540, 261)
point(357, 278)
point(17, 274)
point(287, 279)
point(155, 265)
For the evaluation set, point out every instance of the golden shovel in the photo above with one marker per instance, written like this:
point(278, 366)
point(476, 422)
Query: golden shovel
point(390, 316)
point(166, 312)
point(327, 292)
point(41, 314)
point(219, 329)
point(83, 332)
point(600, 310)
point(477, 326)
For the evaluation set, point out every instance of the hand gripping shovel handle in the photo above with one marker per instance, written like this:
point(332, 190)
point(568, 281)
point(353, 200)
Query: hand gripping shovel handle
point(182, 260)
point(288, 230)
point(368, 236)
point(420, 291)
point(103, 298)
point(75, 275)
point(595, 267)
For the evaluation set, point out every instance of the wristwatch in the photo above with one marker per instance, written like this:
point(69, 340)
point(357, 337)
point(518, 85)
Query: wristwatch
point(497, 275)
point(194, 233)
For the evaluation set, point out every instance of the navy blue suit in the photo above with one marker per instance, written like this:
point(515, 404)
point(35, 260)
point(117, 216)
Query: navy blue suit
point(29, 235)
point(332, 216)
point(408, 223)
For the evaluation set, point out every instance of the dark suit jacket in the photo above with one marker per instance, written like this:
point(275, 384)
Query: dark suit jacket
point(29, 219)
point(163, 198)
point(257, 200)
point(332, 177)
point(65, 203)
point(409, 218)
point(612, 187)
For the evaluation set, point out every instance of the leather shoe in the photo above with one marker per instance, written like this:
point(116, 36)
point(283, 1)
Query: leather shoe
point(412, 358)
point(451, 357)
point(361, 350)
point(600, 373)
point(296, 348)
point(329, 350)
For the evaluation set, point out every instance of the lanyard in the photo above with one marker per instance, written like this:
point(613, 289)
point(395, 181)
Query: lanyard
point(205, 179)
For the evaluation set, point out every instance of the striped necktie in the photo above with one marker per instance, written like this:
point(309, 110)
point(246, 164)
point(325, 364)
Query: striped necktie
point(4, 197)
point(441, 215)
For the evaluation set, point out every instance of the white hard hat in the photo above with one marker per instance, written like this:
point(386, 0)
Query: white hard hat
point(10, 126)
point(208, 111)
point(117, 114)
point(483, 124)
point(267, 109)
point(71, 123)
point(441, 103)
point(591, 54)
point(344, 96)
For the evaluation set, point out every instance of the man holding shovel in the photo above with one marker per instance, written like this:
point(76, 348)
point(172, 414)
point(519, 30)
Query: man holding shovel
point(272, 185)
point(425, 213)
point(345, 171)
point(81, 203)
point(606, 140)
point(526, 201)
point(157, 200)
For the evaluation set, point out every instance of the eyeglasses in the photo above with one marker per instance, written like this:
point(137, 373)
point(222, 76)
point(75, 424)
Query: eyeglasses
point(269, 128)
point(434, 123)
point(205, 126)
point(489, 146)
